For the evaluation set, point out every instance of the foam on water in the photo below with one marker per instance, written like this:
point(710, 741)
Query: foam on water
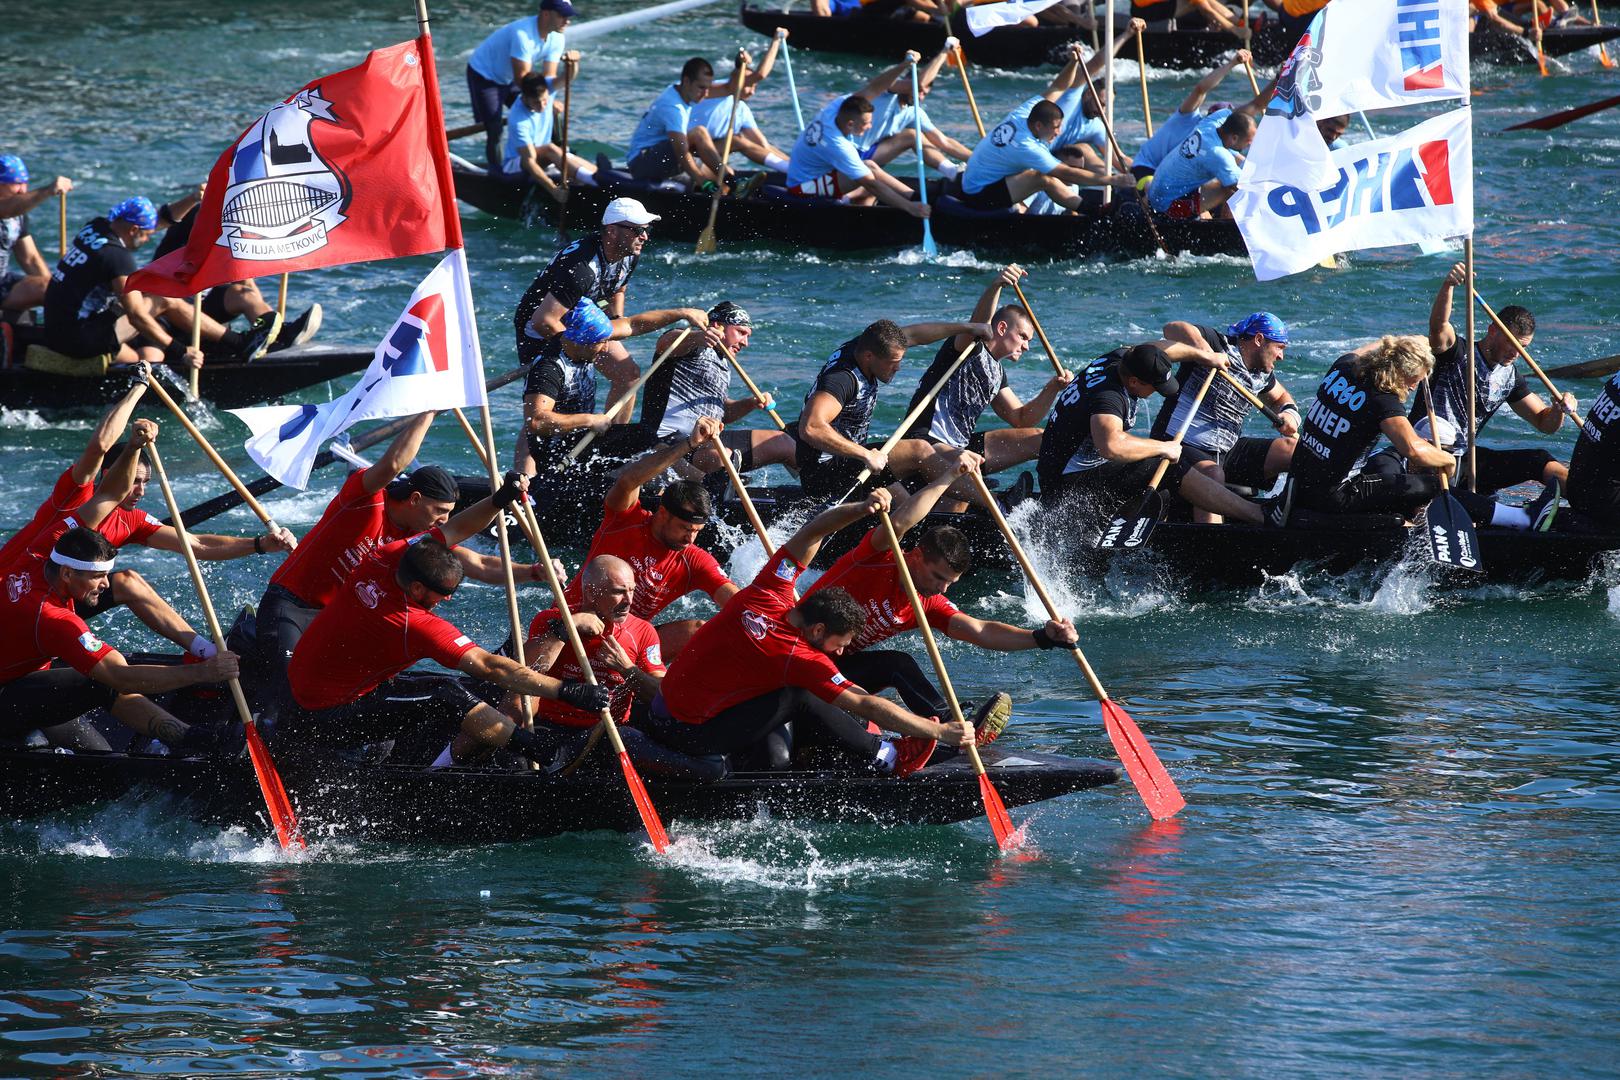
point(31, 420)
point(781, 856)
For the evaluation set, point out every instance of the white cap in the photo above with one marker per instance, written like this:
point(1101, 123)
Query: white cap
point(1448, 431)
point(627, 211)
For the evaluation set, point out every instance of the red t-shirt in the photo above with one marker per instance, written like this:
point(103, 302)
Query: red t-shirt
point(869, 576)
point(67, 496)
point(368, 633)
point(636, 636)
point(662, 575)
point(120, 527)
point(37, 626)
point(353, 525)
point(750, 649)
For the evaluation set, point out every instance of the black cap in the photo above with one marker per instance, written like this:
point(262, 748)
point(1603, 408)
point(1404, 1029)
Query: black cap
point(432, 481)
point(1149, 364)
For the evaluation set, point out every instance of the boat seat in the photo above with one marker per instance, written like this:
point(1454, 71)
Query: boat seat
point(39, 358)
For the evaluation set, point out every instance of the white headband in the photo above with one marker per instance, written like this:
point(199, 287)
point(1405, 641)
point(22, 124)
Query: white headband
point(79, 564)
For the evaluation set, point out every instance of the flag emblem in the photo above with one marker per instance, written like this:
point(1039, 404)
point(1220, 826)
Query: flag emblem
point(283, 196)
point(417, 344)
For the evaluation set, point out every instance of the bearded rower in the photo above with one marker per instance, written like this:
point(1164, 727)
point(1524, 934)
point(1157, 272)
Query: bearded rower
point(770, 659)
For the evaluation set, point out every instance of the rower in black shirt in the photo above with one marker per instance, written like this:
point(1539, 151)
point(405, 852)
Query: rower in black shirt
point(1090, 460)
point(1215, 443)
point(1594, 468)
point(23, 271)
point(837, 416)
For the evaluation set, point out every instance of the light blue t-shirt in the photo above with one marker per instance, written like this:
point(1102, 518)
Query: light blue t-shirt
point(889, 117)
point(517, 40)
point(1166, 137)
point(822, 149)
point(1200, 157)
point(525, 128)
point(1077, 126)
point(715, 115)
point(1010, 148)
point(669, 114)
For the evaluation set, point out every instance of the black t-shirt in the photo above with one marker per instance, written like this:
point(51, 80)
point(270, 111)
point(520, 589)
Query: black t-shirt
point(578, 272)
point(841, 377)
point(176, 235)
point(1597, 452)
point(953, 416)
point(1339, 429)
point(1493, 387)
point(12, 229)
point(572, 388)
point(685, 389)
point(81, 285)
point(1219, 421)
point(1066, 446)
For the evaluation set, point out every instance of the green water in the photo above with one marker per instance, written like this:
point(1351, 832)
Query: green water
point(1398, 857)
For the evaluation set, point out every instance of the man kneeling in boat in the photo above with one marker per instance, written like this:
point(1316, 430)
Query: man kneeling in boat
point(39, 625)
point(770, 658)
point(530, 151)
point(940, 558)
point(1594, 468)
point(1215, 443)
point(1090, 459)
point(380, 623)
point(1015, 161)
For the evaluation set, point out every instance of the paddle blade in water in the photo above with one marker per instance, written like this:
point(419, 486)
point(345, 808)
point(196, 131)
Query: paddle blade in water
point(1159, 792)
point(930, 249)
point(1130, 528)
point(644, 806)
point(1001, 825)
point(1452, 539)
point(705, 244)
point(275, 795)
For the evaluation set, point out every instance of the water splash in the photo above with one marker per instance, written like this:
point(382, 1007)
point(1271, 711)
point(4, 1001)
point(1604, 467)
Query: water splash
point(782, 856)
point(31, 420)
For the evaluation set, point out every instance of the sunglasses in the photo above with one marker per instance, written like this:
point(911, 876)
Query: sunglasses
point(634, 230)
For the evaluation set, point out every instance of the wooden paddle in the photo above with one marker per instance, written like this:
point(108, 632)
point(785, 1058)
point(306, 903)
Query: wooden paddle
point(752, 388)
point(193, 387)
point(1141, 71)
point(1147, 211)
point(747, 501)
point(1535, 367)
point(1601, 368)
point(1134, 523)
point(793, 87)
point(1254, 84)
point(1159, 793)
point(264, 767)
point(638, 791)
point(570, 69)
point(526, 522)
point(706, 243)
point(1254, 399)
point(1473, 368)
point(967, 88)
point(628, 396)
point(452, 134)
point(1559, 119)
point(213, 455)
point(61, 220)
point(1001, 826)
point(281, 312)
point(930, 249)
point(911, 417)
point(1603, 50)
point(1046, 343)
point(1452, 538)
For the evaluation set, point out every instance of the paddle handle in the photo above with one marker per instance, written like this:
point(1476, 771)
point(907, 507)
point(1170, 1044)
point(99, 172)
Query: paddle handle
point(916, 411)
point(1254, 399)
point(193, 379)
point(747, 501)
point(61, 214)
point(793, 87)
point(524, 515)
point(1535, 367)
point(1141, 71)
point(1254, 84)
point(706, 238)
point(570, 67)
point(1473, 373)
point(1046, 343)
point(922, 166)
point(1181, 432)
point(736, 366)
point(613, 410)
point(213, 455)
point(967, 88)
point(1434, 429)
point(1108, 129)
point(505, 544)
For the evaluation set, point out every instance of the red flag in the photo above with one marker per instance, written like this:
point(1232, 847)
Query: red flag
point(345, 170)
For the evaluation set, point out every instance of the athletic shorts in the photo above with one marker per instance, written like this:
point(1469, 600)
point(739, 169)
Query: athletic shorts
point(827, 186)
point(85, 338)
point(1102, 490)
point(996, 196)
point(1599, 500)
point(214, 305)
point(394, 708)
point(656, 162)
point(1499, 469)
point(1186, 208)
point(7, 283)
point(832, 477)
point(43, 699)
point(1244, 464)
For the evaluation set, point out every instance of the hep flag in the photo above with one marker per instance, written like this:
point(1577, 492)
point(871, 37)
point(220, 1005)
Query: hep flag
point(343, 171)
point(983, 18)
point(429, 359)
point(1403, 189)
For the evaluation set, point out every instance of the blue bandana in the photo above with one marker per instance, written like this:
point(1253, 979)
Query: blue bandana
point(137, 210)
point(12, 170)
point(587, 324)
point(1263, 323)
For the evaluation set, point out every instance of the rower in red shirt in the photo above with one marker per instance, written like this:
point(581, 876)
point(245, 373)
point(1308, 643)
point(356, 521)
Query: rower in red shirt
point(375, 506)
point(661, 545)
point(381, 622)
point(770, 658)
point(939, 559)
point(39, 624)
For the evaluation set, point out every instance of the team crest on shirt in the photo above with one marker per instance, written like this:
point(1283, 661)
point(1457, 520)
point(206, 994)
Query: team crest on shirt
point(368, 592)
point(89, 642)
point(16, 586)
point(655, 655)
point(786, 570)
point(1004, 133)
point(283, 196)
point(756, 624)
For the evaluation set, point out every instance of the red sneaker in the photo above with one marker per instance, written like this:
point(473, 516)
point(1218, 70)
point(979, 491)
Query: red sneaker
point(912, 753)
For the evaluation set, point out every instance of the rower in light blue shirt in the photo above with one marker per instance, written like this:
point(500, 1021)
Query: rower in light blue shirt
point(896, 120)
point(1173, 130)
point(1202, 173)
point(499, 63)
point(713, 115)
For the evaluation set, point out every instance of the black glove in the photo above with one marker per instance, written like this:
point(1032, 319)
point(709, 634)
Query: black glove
point(584, 695)
point(508, 493)
point(1043, 640)
point(174, 350)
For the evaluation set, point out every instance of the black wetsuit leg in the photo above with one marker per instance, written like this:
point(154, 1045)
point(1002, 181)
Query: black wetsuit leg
point(1504, 468)
point(874, 670)
point(44, 699)
point(281, 620)
point(746, 723)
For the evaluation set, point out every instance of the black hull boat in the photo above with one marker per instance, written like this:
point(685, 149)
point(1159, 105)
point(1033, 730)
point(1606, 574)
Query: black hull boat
point(227, 383)
point(1043, 46)
point(774, 216)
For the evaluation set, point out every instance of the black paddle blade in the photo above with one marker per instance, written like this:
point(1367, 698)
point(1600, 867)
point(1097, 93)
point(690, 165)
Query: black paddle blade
point(1452, 539)
point(1130, 528)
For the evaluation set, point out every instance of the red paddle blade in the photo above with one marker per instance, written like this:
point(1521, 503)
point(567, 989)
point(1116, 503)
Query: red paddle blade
point(644, 806)
point(275, 795)
point(1158, 791)
point(1000, 823)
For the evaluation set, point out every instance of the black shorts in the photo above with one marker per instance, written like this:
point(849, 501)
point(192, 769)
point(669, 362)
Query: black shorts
point(1499, 469)
point(1102, 490)
point(996, 196)
point(214, 305)
point(832, 478)
point(1162, 11)
point(656, 162)
point(85, 338)
point(43, 699)
point(394, 708)
point(1243, 465)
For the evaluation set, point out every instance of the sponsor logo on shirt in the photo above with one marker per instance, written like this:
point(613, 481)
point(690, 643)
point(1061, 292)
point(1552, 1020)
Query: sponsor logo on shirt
point(1004, 133)
point(786, 570)
point(369, 592)
point(89, 642)
point(838, 680)
point(16, 586)
point(461, 640)
point(655, 657)
point(755, 624)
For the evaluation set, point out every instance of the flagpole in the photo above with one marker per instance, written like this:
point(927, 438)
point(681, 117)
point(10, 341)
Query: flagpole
point(1468, 270)
point(1108, 89)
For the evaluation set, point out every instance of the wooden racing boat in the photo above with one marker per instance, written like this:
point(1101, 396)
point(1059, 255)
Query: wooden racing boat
point(772, 215)
point(1043, 46)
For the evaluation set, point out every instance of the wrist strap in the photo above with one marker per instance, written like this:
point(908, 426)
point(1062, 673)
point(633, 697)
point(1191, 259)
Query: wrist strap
point(258, 545)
